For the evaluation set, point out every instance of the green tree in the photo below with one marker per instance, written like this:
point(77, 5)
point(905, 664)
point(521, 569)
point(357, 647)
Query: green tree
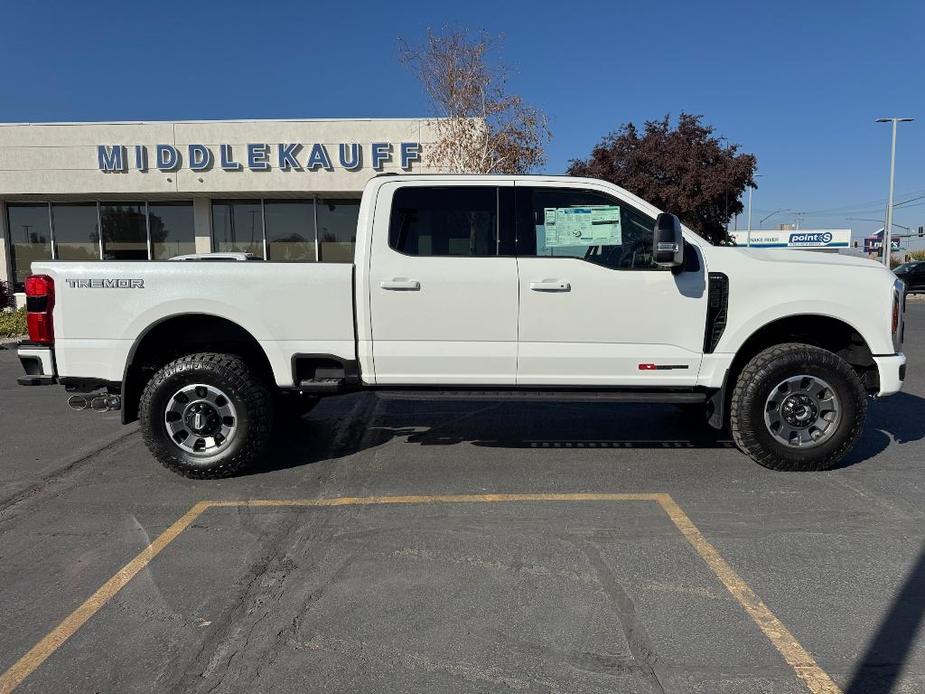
point(684, 169)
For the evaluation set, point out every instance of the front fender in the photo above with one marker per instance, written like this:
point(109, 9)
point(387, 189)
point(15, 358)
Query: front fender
point(868, 327)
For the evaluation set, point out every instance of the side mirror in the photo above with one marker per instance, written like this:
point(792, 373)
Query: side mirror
point(668, 242)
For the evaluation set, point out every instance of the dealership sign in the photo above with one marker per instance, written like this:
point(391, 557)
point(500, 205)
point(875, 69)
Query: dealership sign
point(294, 156)
point(814, 238)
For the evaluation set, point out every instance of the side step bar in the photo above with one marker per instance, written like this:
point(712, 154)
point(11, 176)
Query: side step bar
point(321, 385)
point(676, 397)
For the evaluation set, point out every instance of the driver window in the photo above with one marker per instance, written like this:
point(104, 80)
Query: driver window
point(586, 224)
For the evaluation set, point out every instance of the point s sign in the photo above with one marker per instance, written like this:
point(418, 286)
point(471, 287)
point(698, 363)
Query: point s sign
point(813, 238)
point(818, 238)
point(294, 156)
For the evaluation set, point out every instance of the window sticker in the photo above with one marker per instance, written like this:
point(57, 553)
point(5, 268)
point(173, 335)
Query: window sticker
point(593, 225)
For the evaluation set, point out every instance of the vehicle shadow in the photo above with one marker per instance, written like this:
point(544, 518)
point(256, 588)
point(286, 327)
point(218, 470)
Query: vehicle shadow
point(899, 418)
point(881, 665)
point(361, 421)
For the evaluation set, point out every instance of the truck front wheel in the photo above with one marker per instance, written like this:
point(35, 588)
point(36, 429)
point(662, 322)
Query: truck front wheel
point(206, 415)
point(797, 407)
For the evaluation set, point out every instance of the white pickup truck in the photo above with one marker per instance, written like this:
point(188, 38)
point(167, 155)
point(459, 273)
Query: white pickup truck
point(483, 287)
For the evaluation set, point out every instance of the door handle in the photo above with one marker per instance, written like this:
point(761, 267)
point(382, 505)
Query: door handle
point(551, 286)
point(401, 285)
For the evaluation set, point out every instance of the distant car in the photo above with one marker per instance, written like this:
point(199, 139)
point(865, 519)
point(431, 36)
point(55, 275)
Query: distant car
point(913, 275)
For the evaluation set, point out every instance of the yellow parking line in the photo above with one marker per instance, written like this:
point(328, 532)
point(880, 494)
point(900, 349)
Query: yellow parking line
point(433, 499)
point(814, 677)
point(61, 633)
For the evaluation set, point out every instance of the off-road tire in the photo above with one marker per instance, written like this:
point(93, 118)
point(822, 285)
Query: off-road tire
point(763, 373)
point(249, 394)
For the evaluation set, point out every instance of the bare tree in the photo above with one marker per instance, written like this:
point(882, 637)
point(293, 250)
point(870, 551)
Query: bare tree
point(481, 128)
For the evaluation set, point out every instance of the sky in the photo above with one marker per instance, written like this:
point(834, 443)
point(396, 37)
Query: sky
point(798, 84)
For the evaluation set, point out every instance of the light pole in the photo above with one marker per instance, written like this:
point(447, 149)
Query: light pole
point(748, 242)
point(767, 217)
point(871, 219)
point(888, 227)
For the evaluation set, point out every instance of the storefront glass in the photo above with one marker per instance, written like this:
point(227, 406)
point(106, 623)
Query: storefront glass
point(172, 229)
point(125, 231)
point(337, 229)
point(76, 229)
point(290, 230)
point(30, 237)
point(237, 226)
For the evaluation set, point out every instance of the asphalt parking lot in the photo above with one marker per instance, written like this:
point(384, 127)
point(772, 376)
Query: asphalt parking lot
point(412, 546)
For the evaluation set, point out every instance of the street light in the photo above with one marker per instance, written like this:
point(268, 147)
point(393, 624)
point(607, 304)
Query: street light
point(888, 227)
point(871, 219)
point(748, 241)
point(767, 217)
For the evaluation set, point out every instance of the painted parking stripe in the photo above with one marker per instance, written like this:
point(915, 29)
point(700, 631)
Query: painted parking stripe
point(61, 633)
point(804, 665)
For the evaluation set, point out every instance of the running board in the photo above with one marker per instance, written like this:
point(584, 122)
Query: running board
point(321, 385)
point(630, 396)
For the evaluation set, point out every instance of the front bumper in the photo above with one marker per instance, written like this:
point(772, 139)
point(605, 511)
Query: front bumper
point(892, 368)
point(38, 361)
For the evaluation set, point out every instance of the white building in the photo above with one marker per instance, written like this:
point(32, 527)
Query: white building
point(285, 190)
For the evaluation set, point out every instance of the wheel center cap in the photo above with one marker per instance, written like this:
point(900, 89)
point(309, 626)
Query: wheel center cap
point(201, 418)
point(799, 410)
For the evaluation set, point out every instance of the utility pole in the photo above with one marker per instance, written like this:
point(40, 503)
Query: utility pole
point(749, 236)
point(888, 226)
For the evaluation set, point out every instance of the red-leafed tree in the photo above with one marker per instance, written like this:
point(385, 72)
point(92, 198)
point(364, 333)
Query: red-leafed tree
point(684, 169)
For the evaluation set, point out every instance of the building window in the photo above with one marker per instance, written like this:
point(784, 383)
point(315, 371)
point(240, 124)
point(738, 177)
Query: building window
point(130, 231)
point(337, 229)
point(76, 229)
point(30, 237)
point(237, 226)
point(125, 231)
point(290, 230)
point(172, 229)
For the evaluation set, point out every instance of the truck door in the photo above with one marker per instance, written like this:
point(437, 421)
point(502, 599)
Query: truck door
point(442, 292)
point(594, 309)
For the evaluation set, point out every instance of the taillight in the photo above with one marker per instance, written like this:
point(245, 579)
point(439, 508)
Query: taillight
point(40, 301)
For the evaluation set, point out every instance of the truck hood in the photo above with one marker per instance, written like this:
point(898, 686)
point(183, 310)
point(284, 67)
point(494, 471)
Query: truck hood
point(808, 257)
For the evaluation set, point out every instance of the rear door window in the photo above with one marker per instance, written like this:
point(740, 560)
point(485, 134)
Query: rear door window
point(451, 221)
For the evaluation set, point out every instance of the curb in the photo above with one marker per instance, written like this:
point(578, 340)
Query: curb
point(11, 342)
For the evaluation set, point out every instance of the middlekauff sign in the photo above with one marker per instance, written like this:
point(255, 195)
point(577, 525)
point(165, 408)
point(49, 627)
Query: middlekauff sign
point(261, 156)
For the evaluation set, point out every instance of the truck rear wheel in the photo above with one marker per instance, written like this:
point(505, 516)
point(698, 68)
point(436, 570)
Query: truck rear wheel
point(797, 407)
point(206, 415)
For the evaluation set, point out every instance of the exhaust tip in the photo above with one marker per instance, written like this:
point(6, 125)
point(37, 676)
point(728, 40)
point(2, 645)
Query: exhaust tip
point(99, 403)
point(78, 402)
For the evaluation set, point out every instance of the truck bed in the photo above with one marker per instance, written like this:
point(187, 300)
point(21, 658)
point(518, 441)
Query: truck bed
point(101, 308)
